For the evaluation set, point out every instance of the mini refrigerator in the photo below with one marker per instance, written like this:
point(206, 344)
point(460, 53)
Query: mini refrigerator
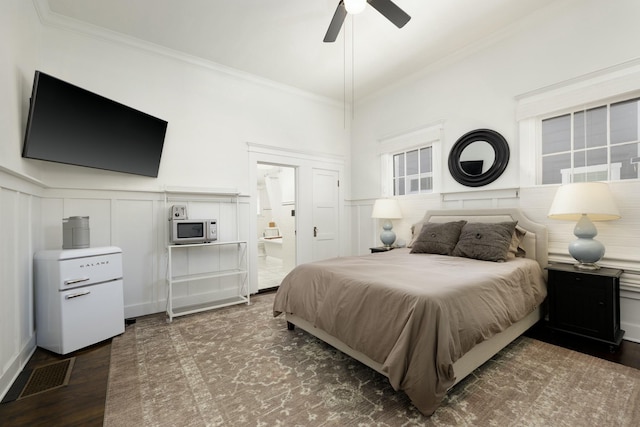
point(79, 297)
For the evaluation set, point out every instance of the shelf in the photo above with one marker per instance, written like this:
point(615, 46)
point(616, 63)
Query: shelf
point(198, 308)
point(211, 264)
point(233, 192)
point(209, 275)
point(196, 245)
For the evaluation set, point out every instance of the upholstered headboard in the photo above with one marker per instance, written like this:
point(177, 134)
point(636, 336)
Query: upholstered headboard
point(534, 242)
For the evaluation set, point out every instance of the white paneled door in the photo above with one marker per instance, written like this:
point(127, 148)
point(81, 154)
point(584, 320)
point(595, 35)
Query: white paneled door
point(326, 214)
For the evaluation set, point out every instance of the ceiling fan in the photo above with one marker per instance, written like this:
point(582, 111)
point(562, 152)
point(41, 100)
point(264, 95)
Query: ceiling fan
point(386, 7)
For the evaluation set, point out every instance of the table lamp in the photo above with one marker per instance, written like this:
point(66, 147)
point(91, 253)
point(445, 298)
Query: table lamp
point(387, 209)
point(585, 202)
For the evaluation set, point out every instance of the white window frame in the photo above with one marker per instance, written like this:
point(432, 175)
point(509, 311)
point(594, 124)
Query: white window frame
point(603, 172)
point(599, 170)
point(429, 136)
point(610, 85)
point(409, 178)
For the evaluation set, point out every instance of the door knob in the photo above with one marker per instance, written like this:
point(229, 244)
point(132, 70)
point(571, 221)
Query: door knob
point(315, 231)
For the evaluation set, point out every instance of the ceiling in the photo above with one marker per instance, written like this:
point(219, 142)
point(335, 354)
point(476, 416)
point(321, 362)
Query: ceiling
point(281, 40)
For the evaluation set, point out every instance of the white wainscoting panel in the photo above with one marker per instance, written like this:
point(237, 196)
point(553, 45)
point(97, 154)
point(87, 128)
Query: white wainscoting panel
point(134, 231)
point(20, 228)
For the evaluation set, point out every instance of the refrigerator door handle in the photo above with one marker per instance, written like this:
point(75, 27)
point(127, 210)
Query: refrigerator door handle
point(77, 295)
point(74, 281)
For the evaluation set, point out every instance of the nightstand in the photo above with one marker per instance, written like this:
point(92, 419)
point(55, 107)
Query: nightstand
point(380, 249)
point(585, 303)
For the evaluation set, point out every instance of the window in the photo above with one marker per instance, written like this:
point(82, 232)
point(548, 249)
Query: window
point(413, 171)
point(407, 165)
point(596, 144)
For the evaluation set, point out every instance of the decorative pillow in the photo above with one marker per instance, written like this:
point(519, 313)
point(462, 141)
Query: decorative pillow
point(415, 232)
point(437, 238)
point(485, 241)
point(515, 251)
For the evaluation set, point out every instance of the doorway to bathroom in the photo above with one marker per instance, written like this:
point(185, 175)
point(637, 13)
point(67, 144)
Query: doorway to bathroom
point(276, 223)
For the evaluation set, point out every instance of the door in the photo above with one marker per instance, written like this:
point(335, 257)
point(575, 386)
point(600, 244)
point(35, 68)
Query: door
point(326, 214)
point(90, 314)
point(276, 223)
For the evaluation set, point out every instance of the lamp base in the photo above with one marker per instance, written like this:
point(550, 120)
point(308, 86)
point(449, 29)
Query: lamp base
point(586, 250)
point(587, 266)
point(387, 236)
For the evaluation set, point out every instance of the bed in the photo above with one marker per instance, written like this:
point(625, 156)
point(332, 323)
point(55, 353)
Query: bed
point(421, 316)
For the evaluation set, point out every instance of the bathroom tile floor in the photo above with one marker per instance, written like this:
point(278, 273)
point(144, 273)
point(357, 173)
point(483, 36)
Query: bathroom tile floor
point(270, 272)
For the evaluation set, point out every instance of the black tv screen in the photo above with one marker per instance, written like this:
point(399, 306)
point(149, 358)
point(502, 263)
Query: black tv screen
point(68, 124)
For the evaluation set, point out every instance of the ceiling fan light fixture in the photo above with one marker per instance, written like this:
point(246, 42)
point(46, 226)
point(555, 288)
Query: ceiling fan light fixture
point(355, 6)
point(386, 7)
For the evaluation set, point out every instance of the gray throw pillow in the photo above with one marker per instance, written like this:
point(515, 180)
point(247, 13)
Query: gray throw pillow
point(485, 241)
point(437, 238)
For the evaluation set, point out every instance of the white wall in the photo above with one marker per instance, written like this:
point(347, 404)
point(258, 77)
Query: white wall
point(19, 46)
point(478, 88)
point(20, 207)
point(211, 113)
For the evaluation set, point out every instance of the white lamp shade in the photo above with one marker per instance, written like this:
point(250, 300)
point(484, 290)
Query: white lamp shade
point(386, 209)
point(592, 199)
point(355, 6)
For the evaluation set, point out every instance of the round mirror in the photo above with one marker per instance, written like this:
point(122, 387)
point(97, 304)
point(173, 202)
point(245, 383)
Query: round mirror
point(478, 157)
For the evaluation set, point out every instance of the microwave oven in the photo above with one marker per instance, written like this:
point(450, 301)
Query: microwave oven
point(186, 231)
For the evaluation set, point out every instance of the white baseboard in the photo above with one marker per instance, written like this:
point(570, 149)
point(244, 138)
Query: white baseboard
point(631, 332)
point(15, 367)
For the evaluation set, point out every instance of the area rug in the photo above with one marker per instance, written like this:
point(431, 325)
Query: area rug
point(239, 366)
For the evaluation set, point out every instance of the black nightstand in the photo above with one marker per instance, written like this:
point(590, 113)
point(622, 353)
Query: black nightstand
point(380, 249)
point(585, 303)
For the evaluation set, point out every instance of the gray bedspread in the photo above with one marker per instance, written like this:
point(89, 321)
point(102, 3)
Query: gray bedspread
point(415, 314)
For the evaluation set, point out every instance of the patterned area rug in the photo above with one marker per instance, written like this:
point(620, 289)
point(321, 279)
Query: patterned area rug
point(239, 366)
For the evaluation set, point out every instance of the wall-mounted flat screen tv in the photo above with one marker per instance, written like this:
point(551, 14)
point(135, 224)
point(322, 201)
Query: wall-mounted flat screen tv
point(71, 125)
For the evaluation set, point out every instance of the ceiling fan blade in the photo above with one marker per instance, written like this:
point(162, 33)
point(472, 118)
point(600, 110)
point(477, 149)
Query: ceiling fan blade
point(336, 23)
point(391, 11)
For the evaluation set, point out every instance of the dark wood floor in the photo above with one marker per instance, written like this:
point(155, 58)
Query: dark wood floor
point(627, 354)
point(81, 403)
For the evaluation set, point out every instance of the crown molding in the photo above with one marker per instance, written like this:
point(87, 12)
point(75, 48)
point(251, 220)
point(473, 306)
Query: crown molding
point(50, 19)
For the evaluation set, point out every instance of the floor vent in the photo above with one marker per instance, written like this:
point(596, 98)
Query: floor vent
point(48, 377)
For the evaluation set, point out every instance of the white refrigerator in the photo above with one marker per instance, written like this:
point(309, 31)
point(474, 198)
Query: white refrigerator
point(79, 297)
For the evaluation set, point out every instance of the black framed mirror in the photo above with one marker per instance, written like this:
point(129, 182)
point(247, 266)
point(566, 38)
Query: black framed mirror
point(478, 157)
